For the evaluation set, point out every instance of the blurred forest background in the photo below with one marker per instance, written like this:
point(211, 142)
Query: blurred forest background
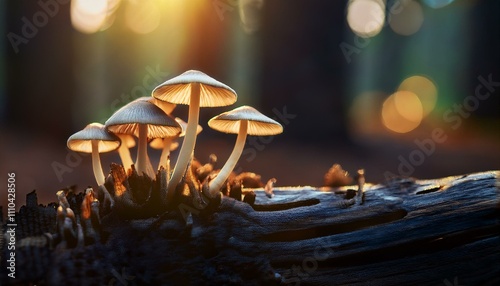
point(406, 87)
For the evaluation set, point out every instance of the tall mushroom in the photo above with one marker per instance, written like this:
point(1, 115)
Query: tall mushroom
point(168, 144)
point(95, 139)
point(146, 121)
point(242, 121)
point(195, 89)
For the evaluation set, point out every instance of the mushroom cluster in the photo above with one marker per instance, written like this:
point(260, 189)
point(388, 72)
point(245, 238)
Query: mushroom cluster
point(149, 119)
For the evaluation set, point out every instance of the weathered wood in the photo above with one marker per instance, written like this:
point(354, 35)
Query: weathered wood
point(424, 232)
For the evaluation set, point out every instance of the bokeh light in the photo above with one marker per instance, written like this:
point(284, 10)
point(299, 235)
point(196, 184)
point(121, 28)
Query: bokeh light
point(402, 112)
point(142, 17)
point(366, 17)
point(424, 88)
point(437, 3)
point(406, 17)
point(89, 16)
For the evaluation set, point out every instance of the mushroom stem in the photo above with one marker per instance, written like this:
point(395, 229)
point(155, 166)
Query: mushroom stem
point(165, 153)
point(224, 173)
point(96, 163)
point(142, 153)
point(189, 140)
point(125, 156)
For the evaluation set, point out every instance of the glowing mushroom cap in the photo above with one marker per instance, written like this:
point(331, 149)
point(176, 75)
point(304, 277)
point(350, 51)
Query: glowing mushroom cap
point(212, 92)
point(81, 141)
point(258, 123)
point(167, 107)
point(158, 144)
point(127, 140)
point(183, 125)
point(126, 120)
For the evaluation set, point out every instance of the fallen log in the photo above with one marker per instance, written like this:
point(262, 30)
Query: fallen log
point(406, 232)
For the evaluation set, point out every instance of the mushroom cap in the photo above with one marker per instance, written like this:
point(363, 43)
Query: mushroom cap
point(167, 107)
point(127, 140)
point(157, 143)
point(81, 141)
point(183, 125)
point(178, 90)
point(258, 123)
point(126, 120)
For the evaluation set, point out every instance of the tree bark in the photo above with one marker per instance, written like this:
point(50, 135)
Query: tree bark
point(406, 232)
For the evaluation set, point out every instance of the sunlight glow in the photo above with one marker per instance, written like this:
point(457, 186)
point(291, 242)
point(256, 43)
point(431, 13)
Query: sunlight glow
point(88, 16)
point(366, 17)
point(142, 17)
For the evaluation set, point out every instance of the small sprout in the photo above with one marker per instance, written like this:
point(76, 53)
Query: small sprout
point(360, 178)
point(268, 189)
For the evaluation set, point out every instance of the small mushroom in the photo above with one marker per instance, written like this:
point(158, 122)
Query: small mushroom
point(167, 107)
point(168, 144)
point(128, 142)
point(95, 139)
point(195, 89)
point(144, 120)
point(242, 121)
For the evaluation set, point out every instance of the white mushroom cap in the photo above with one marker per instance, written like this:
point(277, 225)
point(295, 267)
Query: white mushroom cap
point(94, 139)
point(81, 141)
point(127, 140)
point(146, 121)
point(244, 120)
point(258, 123)
point(212, 92)
point(126, 120)
point(183, 125)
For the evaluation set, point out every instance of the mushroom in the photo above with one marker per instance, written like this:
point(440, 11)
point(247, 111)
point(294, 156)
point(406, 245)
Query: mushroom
point(195, 89)
point(128, 142)
point(95, 139)
point(242, 121)
point(168, 144)
point(144, 120)
point(167, 107)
